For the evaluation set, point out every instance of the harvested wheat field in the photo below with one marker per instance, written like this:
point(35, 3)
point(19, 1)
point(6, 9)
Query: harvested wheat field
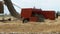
point(18, 26)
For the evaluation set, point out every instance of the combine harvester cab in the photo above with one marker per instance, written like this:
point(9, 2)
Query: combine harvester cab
point(36, 15)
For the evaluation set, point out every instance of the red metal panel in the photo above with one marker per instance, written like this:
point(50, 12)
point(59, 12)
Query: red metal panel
point(52, 15)
point(33, 19)
point(26, 12)
point(49, 14)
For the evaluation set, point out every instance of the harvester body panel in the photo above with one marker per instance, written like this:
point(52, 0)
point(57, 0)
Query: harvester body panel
point(48, 14)
point(26, 13)
point(33, 19)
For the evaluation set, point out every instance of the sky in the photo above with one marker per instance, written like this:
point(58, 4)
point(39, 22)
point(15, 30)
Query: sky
point(43, 4)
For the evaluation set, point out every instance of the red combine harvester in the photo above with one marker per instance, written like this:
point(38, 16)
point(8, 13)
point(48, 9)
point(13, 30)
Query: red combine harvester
point(37, 15)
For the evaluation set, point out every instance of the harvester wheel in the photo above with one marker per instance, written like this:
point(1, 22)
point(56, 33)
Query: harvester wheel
point(25, 21)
